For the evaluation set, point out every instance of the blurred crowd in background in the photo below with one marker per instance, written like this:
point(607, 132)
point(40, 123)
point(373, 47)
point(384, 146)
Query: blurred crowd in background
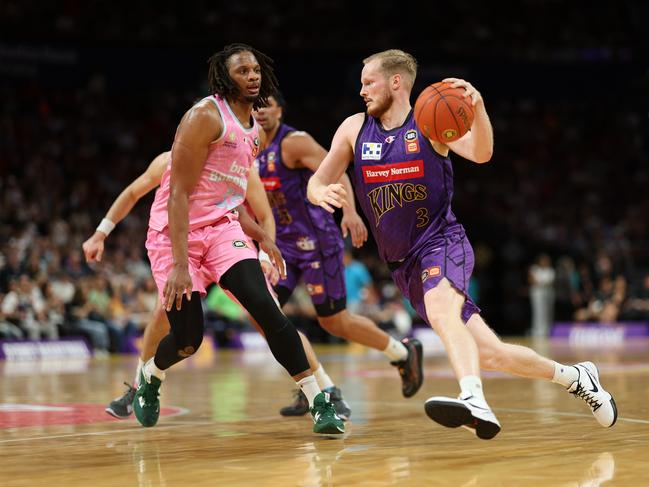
point(558, 218)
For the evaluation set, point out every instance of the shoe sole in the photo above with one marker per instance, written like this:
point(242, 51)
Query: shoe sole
point(112, 412)
point(420, 369)
point(149, 425)
point(331, 431)
point(292, 414)
point(614, 406)
point(454, 415)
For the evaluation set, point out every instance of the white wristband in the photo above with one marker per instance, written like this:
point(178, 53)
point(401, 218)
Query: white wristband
point(106, 226)
point(264, 257)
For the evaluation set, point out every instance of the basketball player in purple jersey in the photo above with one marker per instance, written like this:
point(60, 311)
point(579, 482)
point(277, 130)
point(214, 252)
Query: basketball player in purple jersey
point(313, 248)
point(404, 183)
point(194, 239)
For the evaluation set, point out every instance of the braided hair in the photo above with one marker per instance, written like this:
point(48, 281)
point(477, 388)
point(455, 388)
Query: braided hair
point(221, 83)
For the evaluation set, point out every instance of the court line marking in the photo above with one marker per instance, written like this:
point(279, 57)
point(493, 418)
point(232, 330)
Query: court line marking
point(185, 424)
point(136, 428)
point(106, 432)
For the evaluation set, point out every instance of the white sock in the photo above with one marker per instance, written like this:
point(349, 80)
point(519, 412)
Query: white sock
point(150, 368)
point(324, 381)
point(310, 388)
point(471, 385)
point(140, 363)
point(564, 374)
point(396, 351)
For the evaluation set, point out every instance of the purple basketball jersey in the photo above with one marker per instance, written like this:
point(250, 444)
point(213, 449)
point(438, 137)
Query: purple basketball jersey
point(404, 187)
point(304, 231)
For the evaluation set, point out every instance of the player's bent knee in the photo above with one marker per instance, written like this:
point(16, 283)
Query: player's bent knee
point(190, 348)
point(333, 325)
point(437, 319)
point(492, 358)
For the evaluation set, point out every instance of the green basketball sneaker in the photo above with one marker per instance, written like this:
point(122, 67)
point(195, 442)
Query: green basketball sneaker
point(325, 419)
point(146, 403)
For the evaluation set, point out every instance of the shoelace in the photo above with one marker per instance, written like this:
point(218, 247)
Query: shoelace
point(331, 409)
point(402, 369)
point(150, 395)
point(586, 395)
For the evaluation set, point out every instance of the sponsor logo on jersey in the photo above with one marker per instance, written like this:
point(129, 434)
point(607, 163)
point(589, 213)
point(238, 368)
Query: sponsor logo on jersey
point(315, 264)
point(305, 243)
point(239, 244)
point(236, 168)
point(272, 183)
point(271, 162)
point(430, 272)
point(411, 135)
point(389, 139)
point(394, 172)
point(371, 151)
point(411, 141)
point(314, 289)
point(231, 141)
point(255, 147)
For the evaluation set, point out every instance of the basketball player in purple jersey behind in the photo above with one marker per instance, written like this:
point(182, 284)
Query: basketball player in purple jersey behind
point(158, 326)
point(313, 248)
point(195, 239)
point(404, 183)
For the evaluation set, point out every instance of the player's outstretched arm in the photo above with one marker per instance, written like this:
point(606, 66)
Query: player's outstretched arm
point(478, 143)
point(323, 188)
point(199, 127)
point(93, 247)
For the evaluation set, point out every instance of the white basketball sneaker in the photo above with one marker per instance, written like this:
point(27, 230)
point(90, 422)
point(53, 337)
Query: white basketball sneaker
point(469, 412)
point(588, 388)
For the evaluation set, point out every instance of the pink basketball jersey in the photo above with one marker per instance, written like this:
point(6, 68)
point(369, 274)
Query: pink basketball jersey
point(223, 181)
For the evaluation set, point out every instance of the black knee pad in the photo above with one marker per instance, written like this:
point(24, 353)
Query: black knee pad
point(185, 335)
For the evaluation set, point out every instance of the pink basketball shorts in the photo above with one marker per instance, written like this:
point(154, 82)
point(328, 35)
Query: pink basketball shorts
point(212, 250)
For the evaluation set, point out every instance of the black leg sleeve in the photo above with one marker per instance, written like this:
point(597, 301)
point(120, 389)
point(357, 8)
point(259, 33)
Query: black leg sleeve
point(246, 282)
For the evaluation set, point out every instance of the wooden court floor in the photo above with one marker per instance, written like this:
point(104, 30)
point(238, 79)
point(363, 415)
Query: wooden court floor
point(222, 427)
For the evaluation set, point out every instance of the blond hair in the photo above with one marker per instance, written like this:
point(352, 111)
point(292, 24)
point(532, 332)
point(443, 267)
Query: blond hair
point(395, 61)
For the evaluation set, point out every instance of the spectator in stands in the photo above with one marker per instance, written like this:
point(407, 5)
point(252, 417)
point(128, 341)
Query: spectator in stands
point(605, 304)
point(8, 331)
point(566, 288)
point(541, 280)
point(357, 280)
point(636, 308)
point(25, 307)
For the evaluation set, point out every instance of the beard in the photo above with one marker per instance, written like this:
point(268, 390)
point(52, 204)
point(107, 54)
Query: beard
point(380, 106)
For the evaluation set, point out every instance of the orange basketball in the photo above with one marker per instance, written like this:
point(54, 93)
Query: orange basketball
point(442, 113)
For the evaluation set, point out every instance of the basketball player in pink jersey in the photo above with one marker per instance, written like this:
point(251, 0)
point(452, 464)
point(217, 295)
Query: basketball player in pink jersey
point(158, 326)
point(195, 239)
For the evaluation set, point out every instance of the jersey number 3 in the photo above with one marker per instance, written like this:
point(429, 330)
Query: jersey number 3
point(422, 217)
